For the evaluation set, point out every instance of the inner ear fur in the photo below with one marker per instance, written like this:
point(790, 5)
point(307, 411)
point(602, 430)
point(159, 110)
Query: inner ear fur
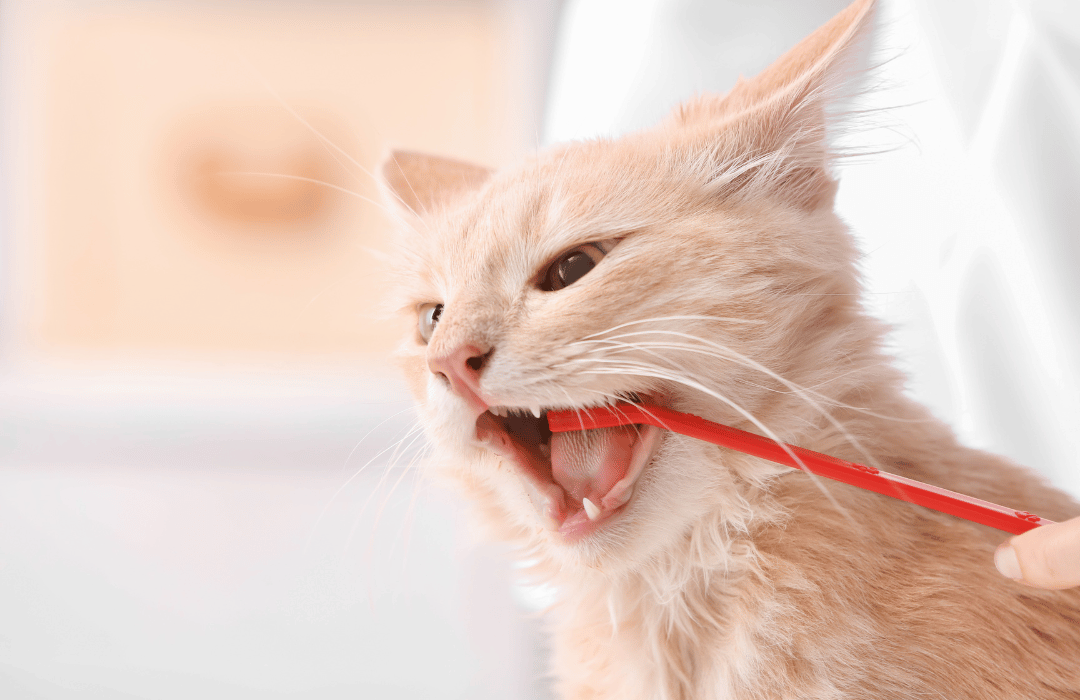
point(773, 127)
point(422, 184)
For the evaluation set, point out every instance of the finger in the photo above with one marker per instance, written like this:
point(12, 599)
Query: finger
point(1046, 557)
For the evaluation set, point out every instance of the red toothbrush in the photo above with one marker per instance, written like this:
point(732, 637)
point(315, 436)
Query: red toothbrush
point(862, 476)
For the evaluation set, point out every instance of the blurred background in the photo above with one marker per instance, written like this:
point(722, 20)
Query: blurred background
point(208, 482)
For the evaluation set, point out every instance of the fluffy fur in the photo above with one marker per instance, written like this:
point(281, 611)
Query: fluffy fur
point(733, 294)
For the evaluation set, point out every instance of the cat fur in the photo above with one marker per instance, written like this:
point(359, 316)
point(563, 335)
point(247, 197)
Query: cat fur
point(725, 576)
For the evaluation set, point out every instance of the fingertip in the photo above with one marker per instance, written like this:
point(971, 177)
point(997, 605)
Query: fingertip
point(1007, 563)
point(1047, 557)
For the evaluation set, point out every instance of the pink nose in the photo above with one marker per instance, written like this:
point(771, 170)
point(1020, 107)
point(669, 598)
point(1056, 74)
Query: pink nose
point(461, 367)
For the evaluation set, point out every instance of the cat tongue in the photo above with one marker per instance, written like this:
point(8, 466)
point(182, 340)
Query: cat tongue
point(588, 463)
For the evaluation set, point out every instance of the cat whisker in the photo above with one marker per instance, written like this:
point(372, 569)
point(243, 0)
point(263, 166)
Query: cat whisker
point(613, 400)
point(646, 370)
point(334, 148)
point(344, 190)
point(414, 429)
point(405, 534)
point(616, 347)
point(405, 471)
point(802, 392)
point(726, 353)
point(301, 178)
point(867, 456)
point(677, 317)
point(412, 437)
point(731, 355)
point(327, 143)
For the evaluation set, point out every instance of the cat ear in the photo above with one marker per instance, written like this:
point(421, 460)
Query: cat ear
point(422, 184)
point(775, 125)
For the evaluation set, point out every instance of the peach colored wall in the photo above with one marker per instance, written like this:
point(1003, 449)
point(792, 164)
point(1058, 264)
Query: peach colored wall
point(143, 234)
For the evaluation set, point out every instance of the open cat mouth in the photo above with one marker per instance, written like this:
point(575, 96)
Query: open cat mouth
point(580, 480)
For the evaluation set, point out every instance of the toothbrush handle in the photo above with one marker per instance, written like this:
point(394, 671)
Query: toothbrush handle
point(862, 476)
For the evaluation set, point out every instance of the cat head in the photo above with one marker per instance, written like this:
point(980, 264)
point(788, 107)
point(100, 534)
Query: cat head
point(698, 264)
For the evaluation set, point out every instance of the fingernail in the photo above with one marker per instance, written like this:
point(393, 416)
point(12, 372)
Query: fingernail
point(1006, 562)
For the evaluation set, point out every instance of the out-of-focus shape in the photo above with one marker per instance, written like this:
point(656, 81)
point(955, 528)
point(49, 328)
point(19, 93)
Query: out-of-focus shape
point(207, 466)
point(196, 182)
point(256, 167)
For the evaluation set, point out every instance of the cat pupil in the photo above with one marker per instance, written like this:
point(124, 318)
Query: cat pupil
point(572, 268)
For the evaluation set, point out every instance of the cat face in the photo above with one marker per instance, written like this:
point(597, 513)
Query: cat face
point(698, 264)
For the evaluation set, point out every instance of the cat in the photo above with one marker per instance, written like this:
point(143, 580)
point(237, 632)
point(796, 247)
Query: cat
point(699, 265)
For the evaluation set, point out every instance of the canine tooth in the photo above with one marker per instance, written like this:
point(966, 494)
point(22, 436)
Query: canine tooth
point(535, 408)
point(591, 509)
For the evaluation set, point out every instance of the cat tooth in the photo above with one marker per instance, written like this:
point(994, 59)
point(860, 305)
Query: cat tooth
point(591, 509)
point(498, 410)
point(535, 408)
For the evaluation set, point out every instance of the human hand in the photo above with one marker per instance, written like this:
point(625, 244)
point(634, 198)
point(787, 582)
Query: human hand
point(1046, 557)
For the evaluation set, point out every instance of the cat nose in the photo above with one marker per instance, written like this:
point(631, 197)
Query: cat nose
point(461, 367)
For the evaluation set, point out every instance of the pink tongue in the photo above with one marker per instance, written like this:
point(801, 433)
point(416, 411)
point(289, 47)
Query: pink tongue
point(587, 463)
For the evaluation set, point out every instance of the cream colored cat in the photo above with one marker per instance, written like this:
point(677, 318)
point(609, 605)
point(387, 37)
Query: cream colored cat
point(700, 265)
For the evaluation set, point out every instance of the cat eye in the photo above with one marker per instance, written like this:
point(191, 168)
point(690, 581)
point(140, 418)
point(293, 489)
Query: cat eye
point(429, 318)
point(574, 264)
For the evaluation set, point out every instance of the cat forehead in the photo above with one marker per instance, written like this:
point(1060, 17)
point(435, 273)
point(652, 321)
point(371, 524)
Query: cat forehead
point(573, 194)
point(505, 234)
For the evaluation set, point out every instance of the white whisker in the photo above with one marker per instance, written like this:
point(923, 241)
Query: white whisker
point(741, 359)
point(413, 429)
point(415, 435)
point(727, 353)
point(410, 514)
point(405, 471)
point(301, 178)
point(646, 370)
point(683, 317)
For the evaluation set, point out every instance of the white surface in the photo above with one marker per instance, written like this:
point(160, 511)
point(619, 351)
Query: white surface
point(178, 537)
point(145, 582)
